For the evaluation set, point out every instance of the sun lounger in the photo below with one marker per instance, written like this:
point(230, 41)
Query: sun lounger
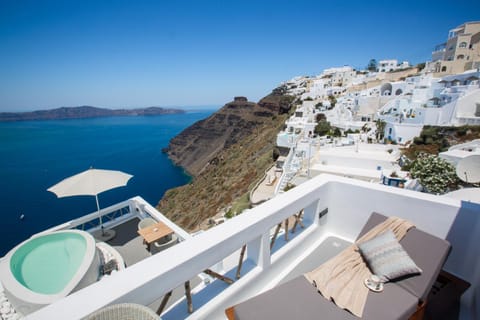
point(298, 299)
point(428, 252)
point(400, 299)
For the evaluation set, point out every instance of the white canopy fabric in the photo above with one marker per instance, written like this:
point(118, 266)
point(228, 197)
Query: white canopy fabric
point(90, 182)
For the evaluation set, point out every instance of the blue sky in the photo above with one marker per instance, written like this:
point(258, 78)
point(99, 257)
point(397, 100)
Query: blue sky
point(200, 53)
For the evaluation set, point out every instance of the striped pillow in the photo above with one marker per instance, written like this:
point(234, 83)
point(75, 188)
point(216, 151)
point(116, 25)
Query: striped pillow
point(387, 258)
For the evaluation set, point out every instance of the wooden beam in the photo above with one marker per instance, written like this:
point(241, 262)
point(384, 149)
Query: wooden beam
point(164, 303)
point(240, 261)
point(286, 229)
point(298, 221)
point(275, 234)
point(420, 312)
point(188, 294)
point(230, 312)
point(218, 276)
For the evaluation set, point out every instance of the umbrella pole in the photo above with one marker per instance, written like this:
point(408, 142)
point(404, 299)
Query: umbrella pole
point(105, 236)
point(100, 217)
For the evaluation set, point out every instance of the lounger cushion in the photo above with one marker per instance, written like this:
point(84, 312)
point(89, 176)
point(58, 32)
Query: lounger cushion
point(298, 299)
point(386, 257)
point(428, 252)
point(375, 218)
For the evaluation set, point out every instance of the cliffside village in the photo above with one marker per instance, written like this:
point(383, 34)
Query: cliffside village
point(379, 110)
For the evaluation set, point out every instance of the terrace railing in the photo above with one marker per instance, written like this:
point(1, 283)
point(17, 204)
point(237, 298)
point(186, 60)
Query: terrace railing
point(349, 204)
point(92, 221)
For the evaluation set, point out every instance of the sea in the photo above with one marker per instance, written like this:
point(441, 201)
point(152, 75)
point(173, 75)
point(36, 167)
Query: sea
point(35, 155)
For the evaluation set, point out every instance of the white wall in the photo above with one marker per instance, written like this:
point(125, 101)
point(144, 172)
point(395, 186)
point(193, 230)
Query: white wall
point(466, 106)
point(405, 131)
point(370, 164)
point(358, 203)
point(287, 140)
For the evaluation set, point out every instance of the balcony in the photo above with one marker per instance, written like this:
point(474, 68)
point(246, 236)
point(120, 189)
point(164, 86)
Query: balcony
point(334, 211)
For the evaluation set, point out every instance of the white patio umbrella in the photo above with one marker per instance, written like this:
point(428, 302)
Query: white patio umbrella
point(90, 182)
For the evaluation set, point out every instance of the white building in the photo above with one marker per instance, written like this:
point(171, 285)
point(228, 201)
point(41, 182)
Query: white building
point(317, 89)
point(367, 162)
point(454, 100)
point(332, 81)
point(391, 65)
point(299, 126)
point(296, 86)
point(460, 151)
point(340, 76)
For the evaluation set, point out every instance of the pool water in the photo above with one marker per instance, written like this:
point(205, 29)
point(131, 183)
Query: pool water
point(46, 264)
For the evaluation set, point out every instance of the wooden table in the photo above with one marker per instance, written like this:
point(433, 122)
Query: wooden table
point(155, 232)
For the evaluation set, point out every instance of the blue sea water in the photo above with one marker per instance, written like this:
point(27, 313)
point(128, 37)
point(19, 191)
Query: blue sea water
point(35, 155)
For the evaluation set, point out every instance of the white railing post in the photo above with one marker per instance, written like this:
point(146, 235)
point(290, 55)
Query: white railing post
point(134, 206)
point(310, 212)
point(258, 251)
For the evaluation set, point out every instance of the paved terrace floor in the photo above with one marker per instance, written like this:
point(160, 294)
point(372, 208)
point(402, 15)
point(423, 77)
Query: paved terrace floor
point(266, 188)
point(130, 245)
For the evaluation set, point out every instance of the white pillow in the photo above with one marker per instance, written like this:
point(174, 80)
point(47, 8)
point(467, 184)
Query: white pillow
point(386, 257)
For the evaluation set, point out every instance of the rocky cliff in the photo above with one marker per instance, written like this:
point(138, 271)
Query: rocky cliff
point(197, 145)
point(226, 153)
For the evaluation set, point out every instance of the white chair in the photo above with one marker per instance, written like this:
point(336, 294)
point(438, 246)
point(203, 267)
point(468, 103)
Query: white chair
point(146, 222)
point(160, 246)
point(124, 311)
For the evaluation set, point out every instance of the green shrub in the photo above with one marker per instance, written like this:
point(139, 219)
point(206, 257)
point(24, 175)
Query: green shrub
point(323, 128)
point(434, 173)
point(320, 116)
point(275, 154)
point(420, 66)
point(229, 214)
point(462, 131)
point(336, 132)
point(417, 140)
point(332, 100)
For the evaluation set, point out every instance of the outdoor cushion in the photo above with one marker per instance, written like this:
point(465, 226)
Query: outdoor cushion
point(375, 218)
point(298, 299)
point(428, 251)
point(386, 258)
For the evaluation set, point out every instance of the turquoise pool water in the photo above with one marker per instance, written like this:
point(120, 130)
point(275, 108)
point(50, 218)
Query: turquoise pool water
point(46, 264)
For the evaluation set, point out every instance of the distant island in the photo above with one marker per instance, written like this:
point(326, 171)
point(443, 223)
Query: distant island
point(83, 112)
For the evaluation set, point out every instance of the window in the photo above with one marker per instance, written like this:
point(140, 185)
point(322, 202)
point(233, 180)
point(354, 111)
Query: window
point(444, 68)
point(462, 44)
point(460, 57)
